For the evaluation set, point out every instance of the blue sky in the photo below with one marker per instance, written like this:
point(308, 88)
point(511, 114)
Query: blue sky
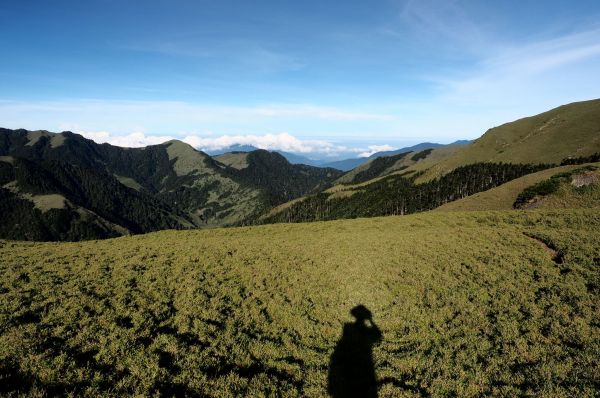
point(318, 77)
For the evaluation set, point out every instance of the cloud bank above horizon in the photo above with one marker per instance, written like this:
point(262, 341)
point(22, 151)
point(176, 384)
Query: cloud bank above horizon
point(272, 142)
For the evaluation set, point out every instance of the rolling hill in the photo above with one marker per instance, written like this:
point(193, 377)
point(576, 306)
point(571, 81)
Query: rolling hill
point(343, 165)
point(389, 164)
point(232, 148)
point(397, 194)
point(293, 158)
point(58, 201)
point(174, 173)
point(350, 164)
point(571, 130)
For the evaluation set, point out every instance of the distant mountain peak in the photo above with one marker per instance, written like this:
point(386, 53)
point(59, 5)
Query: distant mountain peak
point(231, 148)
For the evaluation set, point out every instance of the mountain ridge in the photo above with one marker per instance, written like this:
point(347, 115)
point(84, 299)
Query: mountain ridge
point(194, 189)
point(500, 150)
point(549, 137)
point(53, 181)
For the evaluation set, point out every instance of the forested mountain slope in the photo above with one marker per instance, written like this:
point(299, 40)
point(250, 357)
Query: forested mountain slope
point(386, 165)
point(399, 194)
point(281, 180)
point(172, 181)
point(174, 173)
point(180, 187)
point(50, 200)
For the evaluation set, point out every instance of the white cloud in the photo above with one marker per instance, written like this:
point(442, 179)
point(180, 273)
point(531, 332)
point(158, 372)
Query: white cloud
point(374, 149)
point(141, 113)
point(499, 83)
point(283, 141)
point(303, 128)
point(133, 140)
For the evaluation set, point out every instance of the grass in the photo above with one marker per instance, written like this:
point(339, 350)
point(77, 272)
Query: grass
point(129, 182)
point(416, 161)
point(42, 202)
point(282, 207)
point(436, 156)
point(187, 159)
point(47, 202)
point(56, 140)
point(237, 160)
point(468, 305)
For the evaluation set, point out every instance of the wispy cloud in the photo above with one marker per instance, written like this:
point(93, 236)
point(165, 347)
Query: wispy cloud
point(191, 111)
point(235, 52)
point(319, 112)
point(558, 69)
point(181, 119)
point(548, 54)
point(445, 22)
point(512, 81)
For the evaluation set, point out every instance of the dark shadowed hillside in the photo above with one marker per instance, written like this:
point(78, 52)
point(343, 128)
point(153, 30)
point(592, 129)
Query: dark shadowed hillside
point(281, 180)
point(50, 200)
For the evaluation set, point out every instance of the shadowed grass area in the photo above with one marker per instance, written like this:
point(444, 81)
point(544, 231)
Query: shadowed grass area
point(468, 304)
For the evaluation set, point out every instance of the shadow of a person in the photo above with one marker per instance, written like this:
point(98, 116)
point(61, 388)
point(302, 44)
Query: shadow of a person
point(351, 369)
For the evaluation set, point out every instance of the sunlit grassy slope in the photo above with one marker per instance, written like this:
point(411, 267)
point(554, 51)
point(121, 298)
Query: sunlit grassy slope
point(468, 303)
point(571, 130)
point(503, 197)
point(412, 161)
point(237, 160)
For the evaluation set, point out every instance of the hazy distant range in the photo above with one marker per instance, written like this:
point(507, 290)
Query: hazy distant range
point(343, 164)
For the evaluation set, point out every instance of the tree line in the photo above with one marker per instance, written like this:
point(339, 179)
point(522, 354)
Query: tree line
point(399, 194)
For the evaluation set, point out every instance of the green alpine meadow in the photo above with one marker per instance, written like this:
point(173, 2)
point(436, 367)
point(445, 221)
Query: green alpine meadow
point(485, 303)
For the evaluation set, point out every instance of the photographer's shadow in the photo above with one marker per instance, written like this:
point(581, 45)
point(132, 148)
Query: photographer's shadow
point(351, 370)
